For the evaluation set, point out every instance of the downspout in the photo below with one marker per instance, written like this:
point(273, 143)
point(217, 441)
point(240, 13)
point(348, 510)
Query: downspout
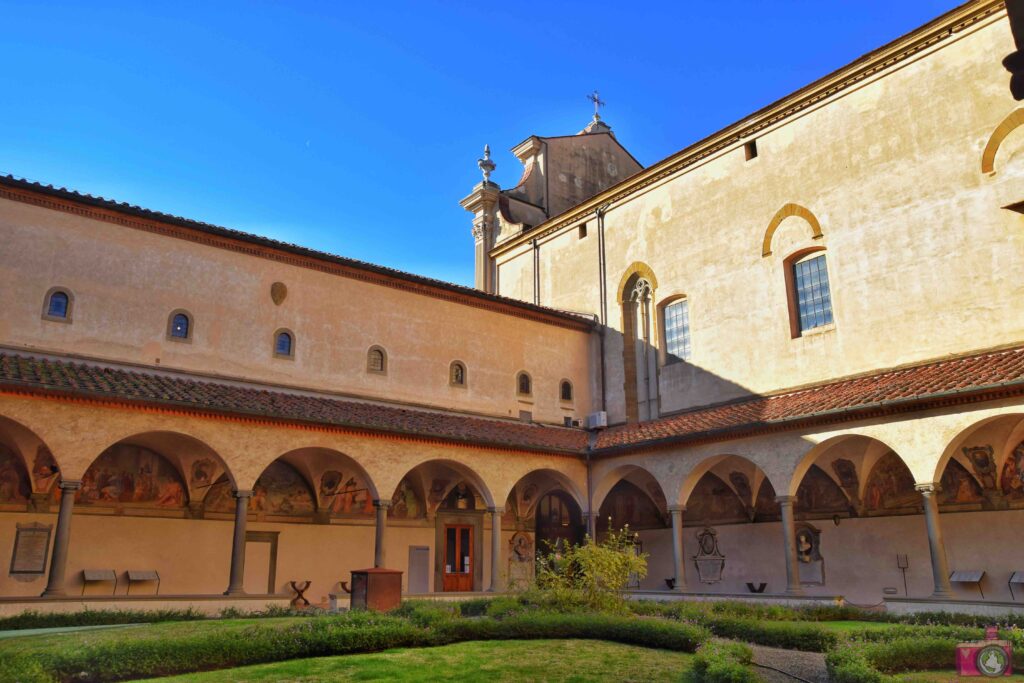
point(591, 512)
point(602, 283)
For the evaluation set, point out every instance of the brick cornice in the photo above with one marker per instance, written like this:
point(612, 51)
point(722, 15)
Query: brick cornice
point(881, 59)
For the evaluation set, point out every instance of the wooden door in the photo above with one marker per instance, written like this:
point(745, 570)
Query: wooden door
point(458, 557)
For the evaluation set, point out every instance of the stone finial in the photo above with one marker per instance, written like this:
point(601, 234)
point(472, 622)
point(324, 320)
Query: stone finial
point(486, 165)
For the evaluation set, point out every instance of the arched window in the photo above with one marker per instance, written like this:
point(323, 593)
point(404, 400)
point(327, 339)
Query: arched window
point(179, 326)
point(565, 390)
point(377, 360)
point(57, 305)
point(284, 344)
point(524, 385)
point(810, 296)
point(457, 374)
point(675, 321)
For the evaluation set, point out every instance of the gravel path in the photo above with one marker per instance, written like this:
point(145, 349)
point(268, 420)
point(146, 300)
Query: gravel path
point(809, 666)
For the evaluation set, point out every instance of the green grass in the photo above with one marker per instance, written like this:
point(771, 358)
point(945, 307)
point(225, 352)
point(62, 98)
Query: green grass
point(847, 626)
point(951, 677)
point(79, 639)
point(498, 660)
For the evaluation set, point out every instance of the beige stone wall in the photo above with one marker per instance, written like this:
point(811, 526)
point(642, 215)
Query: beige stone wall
point(922, 258)
point(126, 282)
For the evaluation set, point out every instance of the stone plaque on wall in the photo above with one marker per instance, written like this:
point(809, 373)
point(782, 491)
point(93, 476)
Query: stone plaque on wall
point(30, 548)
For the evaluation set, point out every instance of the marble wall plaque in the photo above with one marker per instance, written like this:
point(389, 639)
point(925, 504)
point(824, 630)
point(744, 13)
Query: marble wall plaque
point(30, 548)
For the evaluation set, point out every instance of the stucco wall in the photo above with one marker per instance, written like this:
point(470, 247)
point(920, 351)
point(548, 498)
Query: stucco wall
point(891, 170)
point(126, 282)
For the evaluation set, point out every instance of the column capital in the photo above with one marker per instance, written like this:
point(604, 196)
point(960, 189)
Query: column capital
point(496, 509)
point(927, 488)
point(385, 504)
point(242, 493)
point(591, 514)
point(677, 508)
point(785, 500)
point(70, 484)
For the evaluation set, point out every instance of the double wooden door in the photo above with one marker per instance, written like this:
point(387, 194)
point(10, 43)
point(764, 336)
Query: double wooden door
point(458, 557)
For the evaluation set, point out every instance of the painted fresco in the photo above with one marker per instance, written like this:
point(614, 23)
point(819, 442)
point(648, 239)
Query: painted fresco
point(219, 497)
point(201, 474)
point(765, 508)
point(345, 494)
point(437, 489)
point(406, 503)
point(281, 490)
point(14, 483)
point(741, 484)
point(984, 465)
point(819, 494)
point(626, 504)
point(44, 470)
point(1012, 480)
point(958, 486)
point(891, 485)
point(126, 474)
point(713, 502)
point(846, 472)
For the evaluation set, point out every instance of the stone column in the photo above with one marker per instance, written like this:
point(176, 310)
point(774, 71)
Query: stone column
point(936, 546)
point(496, 513)
point(677, 546)
point(789, 542)
point(236, 579)
point(61, 539)
point(591, 520)
point(382, 525)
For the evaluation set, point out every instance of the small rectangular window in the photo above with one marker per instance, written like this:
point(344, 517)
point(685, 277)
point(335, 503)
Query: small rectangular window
point(677, 331)
point(813, 297)
point(750, 150)
point(583, 231)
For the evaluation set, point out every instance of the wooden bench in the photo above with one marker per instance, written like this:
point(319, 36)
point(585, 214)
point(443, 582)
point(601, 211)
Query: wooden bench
point(98, 575)
point(140, 575)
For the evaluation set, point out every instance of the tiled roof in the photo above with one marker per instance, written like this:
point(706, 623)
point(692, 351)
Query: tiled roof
point(971, 378)
point(930, 382)
point(80, 379)
point(230, 233)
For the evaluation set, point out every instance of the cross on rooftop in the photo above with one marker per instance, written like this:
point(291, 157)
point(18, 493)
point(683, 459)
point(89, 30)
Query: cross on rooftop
point(595, 97)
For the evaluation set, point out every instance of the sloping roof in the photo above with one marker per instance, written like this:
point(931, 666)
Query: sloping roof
point(979, 377)
point(57, 377)
point(974, 377)
point(467, 293)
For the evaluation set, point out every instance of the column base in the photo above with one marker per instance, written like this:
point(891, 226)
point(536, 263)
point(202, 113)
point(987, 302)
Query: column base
point(234, 592)
point(796, 592)
point(942, 595)
point(53, 593)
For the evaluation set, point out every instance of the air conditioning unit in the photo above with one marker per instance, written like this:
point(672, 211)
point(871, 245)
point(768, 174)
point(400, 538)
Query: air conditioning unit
point(598, 420)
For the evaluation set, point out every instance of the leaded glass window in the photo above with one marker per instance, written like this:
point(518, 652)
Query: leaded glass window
point(813, 298)
point(179, 326)
point(677, 330)
point(376, 361)
point(283, 344)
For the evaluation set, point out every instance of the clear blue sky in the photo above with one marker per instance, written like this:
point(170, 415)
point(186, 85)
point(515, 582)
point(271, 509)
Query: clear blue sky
point(355, 127)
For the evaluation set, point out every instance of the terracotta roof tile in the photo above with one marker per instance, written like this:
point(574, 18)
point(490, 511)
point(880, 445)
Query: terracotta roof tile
point(929, 381)
point(43, 374)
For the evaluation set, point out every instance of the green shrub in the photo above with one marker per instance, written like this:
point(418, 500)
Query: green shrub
point(475, 607)
point(426, 613)
point(912, 654)
point(848, 664)
point(31, 619)
point(723, 663)
point(593, 574)
point(505, 606)
point(785, 634)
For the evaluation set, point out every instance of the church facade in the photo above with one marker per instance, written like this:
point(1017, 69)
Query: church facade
point(789, 356)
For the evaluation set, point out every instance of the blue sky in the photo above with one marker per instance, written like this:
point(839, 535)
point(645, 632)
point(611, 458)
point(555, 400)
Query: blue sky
point(355, 127)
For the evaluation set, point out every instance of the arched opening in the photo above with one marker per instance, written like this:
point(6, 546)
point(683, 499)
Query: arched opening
point(281, 493)
point(639, 355)
point(558, 521)
point(455, 500)
point(630, 496)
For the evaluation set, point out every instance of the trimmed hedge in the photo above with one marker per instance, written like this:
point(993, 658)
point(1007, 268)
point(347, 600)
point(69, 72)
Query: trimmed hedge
point(423, 625)
point(723, 663)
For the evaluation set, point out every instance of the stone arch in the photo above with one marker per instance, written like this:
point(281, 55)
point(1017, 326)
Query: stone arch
point(980, 466)
point(988, 156)
point(34, 458)
point(281, 490)
point(556, 481)
point(726, 488)
point(635, 271)
point(445, 475)
point(782, 214)
point(1014, 422)
point(641, 491)
point(340, 485)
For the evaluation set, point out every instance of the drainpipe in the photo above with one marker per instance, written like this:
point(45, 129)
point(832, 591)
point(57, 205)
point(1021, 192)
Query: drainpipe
point(591, 512)
point(602, 287)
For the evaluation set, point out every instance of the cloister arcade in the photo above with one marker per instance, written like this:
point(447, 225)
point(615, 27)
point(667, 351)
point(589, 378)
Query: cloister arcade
point(869, 510)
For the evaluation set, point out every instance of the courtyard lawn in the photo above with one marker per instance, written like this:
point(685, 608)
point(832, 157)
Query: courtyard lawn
point(497, 660)
point(951, 677)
